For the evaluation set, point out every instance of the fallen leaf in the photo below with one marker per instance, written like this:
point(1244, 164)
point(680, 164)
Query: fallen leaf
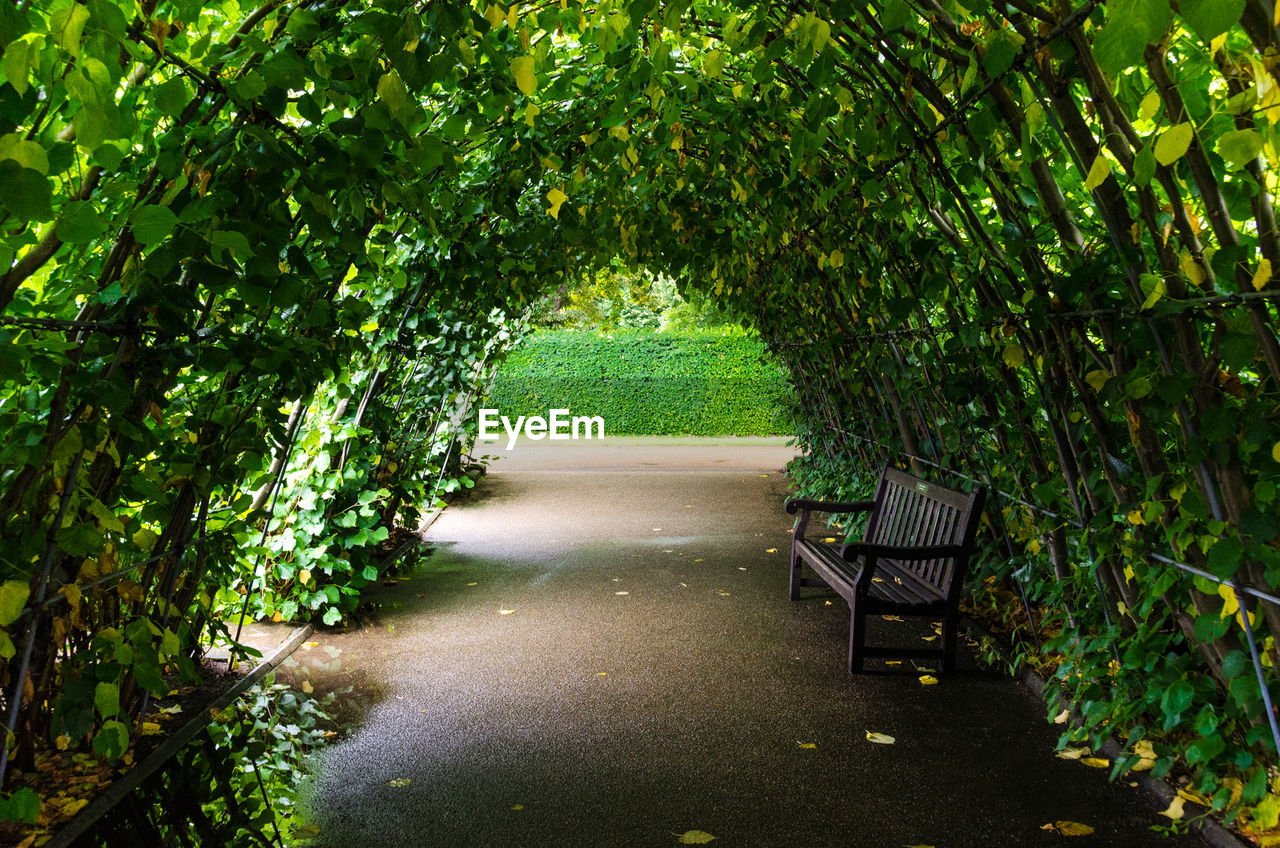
point(309, 645)
point(695, 837)
point(771, 550)
point(929, 638)
point(764, 475)
point(505, 612)
point(1175, 810)
point(399, 781)
point(602, 674)
point(828, 603)
point(1147, 754)
point(893, 662)
point(1192, 795)
point(669, 551)
point(877, 579)
point(1068, 828)
point(807, 744)
point(722, 593)
point(657, 528)
point(892, 617)
point(151, 728)
point(517, 806)
point(473, 584)
point(740, 568)
point(1072, 753)
point(829, 540)
point(700, 559)
point(622, 593)
point(1096, 762)
point(1061, 718)
point(928, 679)
point(880, 738)
point(307, 687)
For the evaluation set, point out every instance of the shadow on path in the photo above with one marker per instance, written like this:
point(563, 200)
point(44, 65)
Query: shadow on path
point(601, 653)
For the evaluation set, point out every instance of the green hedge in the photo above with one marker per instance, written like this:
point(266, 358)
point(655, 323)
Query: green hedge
point(646, 383)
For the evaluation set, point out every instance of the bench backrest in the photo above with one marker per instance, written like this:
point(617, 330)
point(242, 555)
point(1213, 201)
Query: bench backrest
point(914, 512)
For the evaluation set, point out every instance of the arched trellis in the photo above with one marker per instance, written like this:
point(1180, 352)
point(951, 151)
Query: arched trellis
point(1029, 243)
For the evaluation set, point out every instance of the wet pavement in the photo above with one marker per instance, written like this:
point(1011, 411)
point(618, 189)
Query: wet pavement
point(601, 653)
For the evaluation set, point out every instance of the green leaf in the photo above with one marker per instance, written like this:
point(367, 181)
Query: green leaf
point(19, 56)
point(234, 241)
point(391, 91)
point(67, 26)
point(172, 97)
point(1209, 19)
point(522, 70)
point(22, 806)
point(1224, 556)
point(106, 697)
point(1131, 25)
point(153, 223)
point(112, 741)
point(13, 597)
point(80, 223)
point(896, 15)
point(1173, 143)
point(26, 192)
point(1177, 698)
point(1239, 147)
point(6, 646)
point(713, 63)
point(1002, 48)
point(1144, 166)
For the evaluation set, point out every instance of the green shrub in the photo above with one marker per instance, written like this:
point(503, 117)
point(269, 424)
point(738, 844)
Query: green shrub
point(703, 383)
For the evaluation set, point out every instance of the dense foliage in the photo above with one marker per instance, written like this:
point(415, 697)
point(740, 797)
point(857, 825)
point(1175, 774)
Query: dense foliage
point(641, 383)
point(1028, 242)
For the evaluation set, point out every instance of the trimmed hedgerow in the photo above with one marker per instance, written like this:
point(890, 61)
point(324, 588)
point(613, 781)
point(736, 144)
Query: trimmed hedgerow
point(646, 383)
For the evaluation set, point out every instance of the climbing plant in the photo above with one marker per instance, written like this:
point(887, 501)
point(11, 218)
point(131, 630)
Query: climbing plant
point(260, 262)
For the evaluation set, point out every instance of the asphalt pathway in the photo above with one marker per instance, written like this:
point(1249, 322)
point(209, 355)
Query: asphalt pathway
point(601, 653)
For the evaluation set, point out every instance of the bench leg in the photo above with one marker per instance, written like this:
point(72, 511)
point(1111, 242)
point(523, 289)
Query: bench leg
point(949, 626)
point(796, 565)
point(857, 638)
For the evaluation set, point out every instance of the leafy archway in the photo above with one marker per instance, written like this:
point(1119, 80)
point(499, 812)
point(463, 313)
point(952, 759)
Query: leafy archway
point(259, 261)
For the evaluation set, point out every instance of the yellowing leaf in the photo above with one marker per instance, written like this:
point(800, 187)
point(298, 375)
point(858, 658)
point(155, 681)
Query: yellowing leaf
point(1068, 828)
point(694, 837)
point(150, 728)
point(1191, 268)
point(928, 679)
point(1098, 173)
point(836, 259)
point(1173, 143)
point(1135, 517)
point(1149, 106)
point(556, 198)
point(807, 744)
point(1275, 451)
point(1262, 276)
point(1013, 356)
point(1175, 810)
point(1096, 762)
point(880, 738)
point(522, 70)
point(1071, 753)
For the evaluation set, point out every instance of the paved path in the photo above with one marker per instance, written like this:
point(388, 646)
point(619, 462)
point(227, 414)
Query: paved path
point(601, 653)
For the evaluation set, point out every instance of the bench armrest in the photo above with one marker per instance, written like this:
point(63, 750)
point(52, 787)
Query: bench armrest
point(909, 553)
point(796, 504)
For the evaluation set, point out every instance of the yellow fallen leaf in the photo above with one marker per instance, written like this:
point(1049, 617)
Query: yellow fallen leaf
point(694, 837)
point(928, 679)
point(473, 584)
point(1095, 762)
point(1068, 828)
point(764, 475)
point(929, 638)
point(307, 687)
point(1061, 718)
point(1148, 755)
point(700, 559)
point(622, 593)
point(1175, 810)
point(505, 612)
point(602, 674)
point(75, 806)
point(309, 645)
point(1071, 753)
point(880, 738)
point(771, 550)
point(828, 603)
point(517, 806)
point(1192, 795)
point(829, 540)
point(150, 728)
point(62, 742)
point(877, 579)
point(807, 744)
point(893, 662)
point(399, 781)
point(892, 617)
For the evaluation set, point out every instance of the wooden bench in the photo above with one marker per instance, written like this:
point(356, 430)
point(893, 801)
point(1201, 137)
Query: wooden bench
point(911, 560)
